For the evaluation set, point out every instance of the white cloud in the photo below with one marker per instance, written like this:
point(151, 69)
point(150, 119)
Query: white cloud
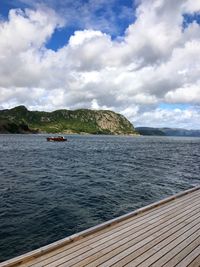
point(176, 118)
point(96, 14)
point(191, 6)
point(189, 93)
point(156, 61)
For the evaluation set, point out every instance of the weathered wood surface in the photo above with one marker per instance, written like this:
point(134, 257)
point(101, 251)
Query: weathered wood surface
point(166, 234)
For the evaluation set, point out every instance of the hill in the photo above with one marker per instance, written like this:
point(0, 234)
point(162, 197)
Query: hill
point(150, 131)
point(64, 121)
point(168, 132)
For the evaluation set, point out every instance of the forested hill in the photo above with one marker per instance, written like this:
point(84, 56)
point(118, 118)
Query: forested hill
point(21, 120)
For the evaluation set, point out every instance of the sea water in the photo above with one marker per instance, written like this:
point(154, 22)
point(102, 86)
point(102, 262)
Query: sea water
point(50, 190)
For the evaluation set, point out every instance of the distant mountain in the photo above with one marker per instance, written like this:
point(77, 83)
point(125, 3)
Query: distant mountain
point(181, 132)
point(149, 131)
point(21, 120)
point(167, 132)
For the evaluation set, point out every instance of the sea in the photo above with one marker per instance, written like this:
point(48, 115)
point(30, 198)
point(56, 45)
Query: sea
point(50, 190)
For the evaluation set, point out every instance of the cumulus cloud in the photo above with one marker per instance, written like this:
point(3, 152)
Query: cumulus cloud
point(156, 61)
point(96, 14)
point(176, 118)
point(181, 95)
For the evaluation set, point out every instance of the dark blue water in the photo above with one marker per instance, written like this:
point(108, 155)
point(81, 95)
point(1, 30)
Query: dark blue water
point(51, 190)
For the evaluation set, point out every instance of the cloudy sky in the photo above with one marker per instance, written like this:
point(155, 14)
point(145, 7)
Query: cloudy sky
point(140, 58)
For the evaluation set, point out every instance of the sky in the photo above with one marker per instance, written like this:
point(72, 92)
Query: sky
point(139, 58)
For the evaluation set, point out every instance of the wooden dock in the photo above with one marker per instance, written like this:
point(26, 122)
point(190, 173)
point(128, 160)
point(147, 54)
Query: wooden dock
point(166, 233)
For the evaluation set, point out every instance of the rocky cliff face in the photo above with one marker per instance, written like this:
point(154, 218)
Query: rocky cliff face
point(115, 123)
point(67, 121)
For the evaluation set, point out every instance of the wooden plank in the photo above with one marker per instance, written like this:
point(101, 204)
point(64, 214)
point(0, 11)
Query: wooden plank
point(169, 244)
point(116, 247)
point(96, 253)
point(186, 253)
point(110, 233)
point(132, 254)
point(195, 262)
point(96, 230)
point(92, 248)
point(190, 257)
point(177, 250)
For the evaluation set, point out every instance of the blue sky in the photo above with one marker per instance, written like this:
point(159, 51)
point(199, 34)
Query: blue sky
point(112, 17)
point(190, 18)
point(140, 58)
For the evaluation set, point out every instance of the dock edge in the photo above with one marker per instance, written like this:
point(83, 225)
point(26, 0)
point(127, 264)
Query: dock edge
point(62, 242)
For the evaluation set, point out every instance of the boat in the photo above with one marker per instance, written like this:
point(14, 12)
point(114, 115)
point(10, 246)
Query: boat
point(56, 139)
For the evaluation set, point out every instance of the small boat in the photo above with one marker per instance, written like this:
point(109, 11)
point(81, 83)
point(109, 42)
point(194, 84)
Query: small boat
point(56, 139)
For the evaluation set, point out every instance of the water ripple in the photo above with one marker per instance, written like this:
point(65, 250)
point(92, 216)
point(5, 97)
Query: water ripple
point(51, 190)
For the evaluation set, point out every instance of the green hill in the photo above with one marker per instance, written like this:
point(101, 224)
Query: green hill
point(64, 121)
